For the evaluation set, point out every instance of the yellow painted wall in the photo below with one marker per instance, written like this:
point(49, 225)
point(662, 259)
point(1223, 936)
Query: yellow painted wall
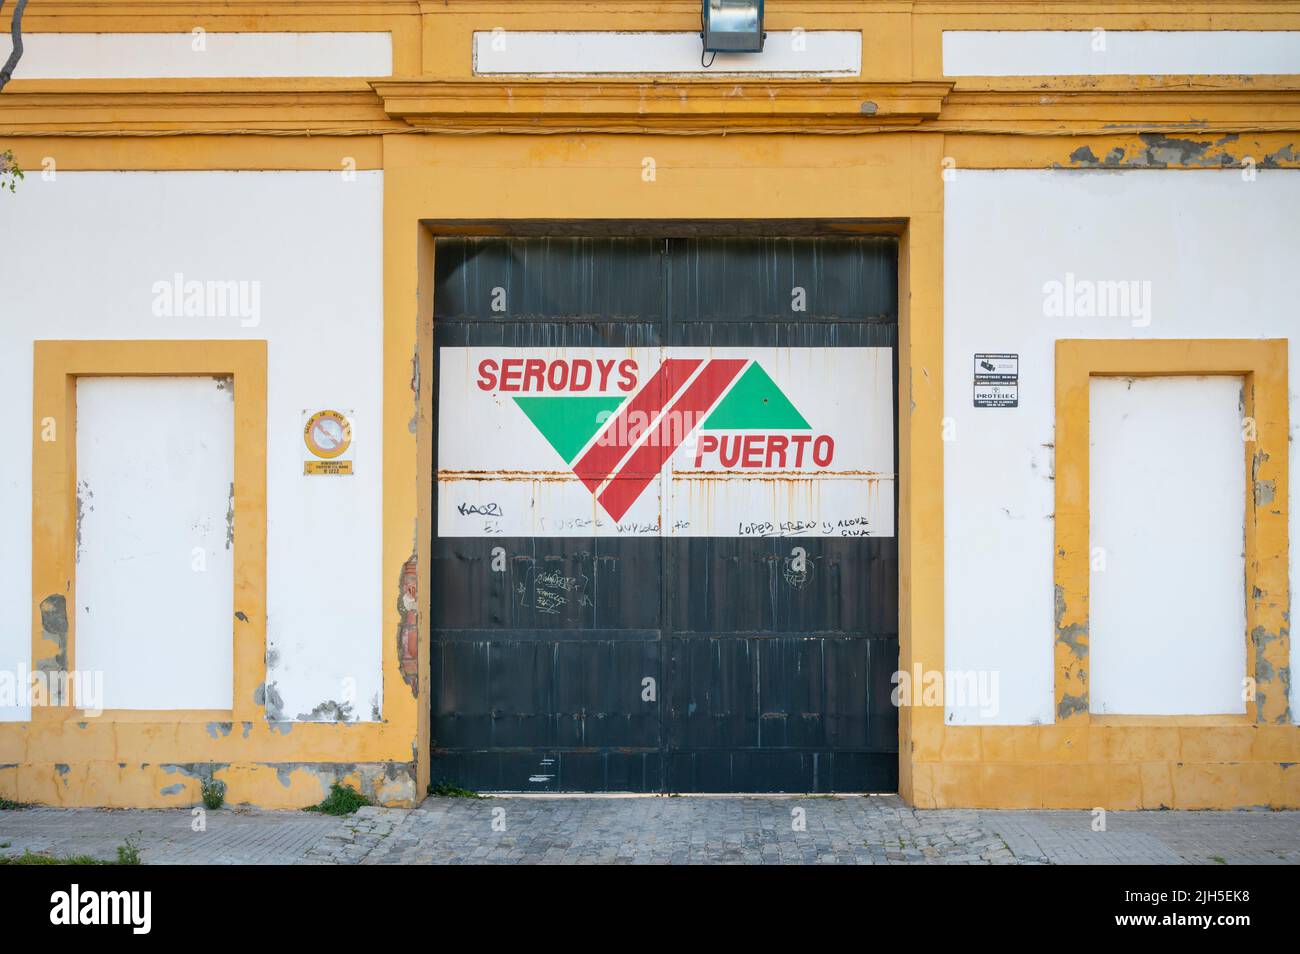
point(454, 148)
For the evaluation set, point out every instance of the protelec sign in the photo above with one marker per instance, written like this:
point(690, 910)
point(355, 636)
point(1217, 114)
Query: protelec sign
point(683, 441)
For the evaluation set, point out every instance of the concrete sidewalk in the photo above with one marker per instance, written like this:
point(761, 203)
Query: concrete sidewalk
point(650, 830)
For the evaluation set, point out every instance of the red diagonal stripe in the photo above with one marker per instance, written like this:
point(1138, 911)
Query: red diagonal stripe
point(648, 459)
point(602, 457)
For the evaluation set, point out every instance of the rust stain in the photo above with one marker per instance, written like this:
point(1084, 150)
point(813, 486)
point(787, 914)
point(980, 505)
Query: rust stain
point(794, 476)
point(507, 475)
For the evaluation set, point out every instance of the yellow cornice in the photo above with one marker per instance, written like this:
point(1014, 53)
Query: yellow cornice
point(1060, 106)
point(610, 106)
point(454, 7)
point(297, 106)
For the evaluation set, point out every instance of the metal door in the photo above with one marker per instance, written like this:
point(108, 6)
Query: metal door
point(670, 659)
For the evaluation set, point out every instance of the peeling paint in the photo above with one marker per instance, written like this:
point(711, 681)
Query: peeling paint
point(54, 629)
point(1075, 635)
point(230, 517)
point(1071, 705)
point(222, 728)
point(1160, 151)
point(413, 424)
point(381, 782)
point(1285, 156)
point(1265, 491)
point(1284, 677)
point(329, 711)
point(200, 771)
point(268, 696)
point(82, 490)
point(1268, 676)
point(408, 624)
point(1163, 150)
point(1260, 458)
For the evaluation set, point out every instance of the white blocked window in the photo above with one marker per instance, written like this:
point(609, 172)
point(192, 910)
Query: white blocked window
point(1101, 52)
point(594, 53)
point(155, 554)
point(199, 53)
point(1167, 610)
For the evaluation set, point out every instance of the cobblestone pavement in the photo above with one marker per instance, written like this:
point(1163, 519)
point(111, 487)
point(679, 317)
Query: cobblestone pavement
point(167, 836)
point(687, 830)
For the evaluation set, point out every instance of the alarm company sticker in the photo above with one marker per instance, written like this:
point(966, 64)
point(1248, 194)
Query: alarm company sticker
point(997, 380)
point(328, 437)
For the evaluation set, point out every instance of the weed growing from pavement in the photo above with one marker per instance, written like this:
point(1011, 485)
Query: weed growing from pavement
point(342, 800)
point(446, 789)
point(127, 854)
point(213, 792)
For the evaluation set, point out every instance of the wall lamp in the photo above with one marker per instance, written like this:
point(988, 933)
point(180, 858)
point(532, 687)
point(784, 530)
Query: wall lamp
point(733, 26)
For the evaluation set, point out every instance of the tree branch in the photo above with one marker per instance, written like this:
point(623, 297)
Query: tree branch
point(16, 33)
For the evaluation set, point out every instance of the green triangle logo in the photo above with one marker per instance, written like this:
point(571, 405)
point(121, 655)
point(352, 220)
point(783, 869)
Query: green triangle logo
point(755, 403)
point(568, 423)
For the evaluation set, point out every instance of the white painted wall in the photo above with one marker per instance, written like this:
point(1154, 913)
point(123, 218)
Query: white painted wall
point(1119, 52)
point(94, 245)
point(1167, 597)
point(178, 55)
point(819, 52)
point(155, 567)
point(1219, 253)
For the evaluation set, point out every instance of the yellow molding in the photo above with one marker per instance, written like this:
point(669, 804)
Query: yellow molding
point(1177, 721)
point(243, 9)
point(158, 737)
point(606, 105)
point(1263, 366)
point(403, 387)
point(1196, 149)
point(58, 365)
point(901, 41)
point(690, 106)
point(157, 88)
point(655, 7)
point(285, 784)
point(309, 106)
point(425, 385)
point(1028, 89)
point(64, 756)
point(166, 153)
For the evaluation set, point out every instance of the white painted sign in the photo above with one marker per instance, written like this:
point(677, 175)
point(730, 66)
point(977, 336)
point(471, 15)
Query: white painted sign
point(724, 442)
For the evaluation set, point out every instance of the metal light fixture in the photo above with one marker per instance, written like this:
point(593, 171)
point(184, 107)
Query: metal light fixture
point(733, 26)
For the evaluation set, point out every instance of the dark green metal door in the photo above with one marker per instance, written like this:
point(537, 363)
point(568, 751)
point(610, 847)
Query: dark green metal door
point(753, 658)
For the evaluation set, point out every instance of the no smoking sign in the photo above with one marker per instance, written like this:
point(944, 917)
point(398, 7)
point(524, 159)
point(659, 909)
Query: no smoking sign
point(327, 436)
